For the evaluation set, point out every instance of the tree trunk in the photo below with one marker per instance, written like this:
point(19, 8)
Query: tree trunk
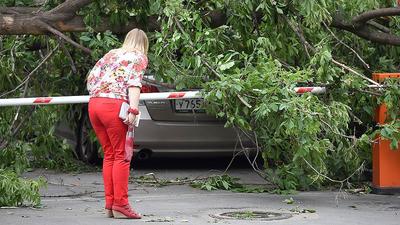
point(16, 24)
point(28, 20)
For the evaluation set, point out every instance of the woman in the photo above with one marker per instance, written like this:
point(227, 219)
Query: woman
point(116, 78)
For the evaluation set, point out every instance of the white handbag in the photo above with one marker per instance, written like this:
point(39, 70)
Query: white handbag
point(123, 113)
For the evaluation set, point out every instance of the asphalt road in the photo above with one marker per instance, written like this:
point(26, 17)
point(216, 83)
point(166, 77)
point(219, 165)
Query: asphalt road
point(78, 199)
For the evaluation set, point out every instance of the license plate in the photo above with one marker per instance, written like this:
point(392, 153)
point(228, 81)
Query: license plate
point(189, 105)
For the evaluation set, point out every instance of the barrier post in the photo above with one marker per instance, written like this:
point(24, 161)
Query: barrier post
point(385, 161)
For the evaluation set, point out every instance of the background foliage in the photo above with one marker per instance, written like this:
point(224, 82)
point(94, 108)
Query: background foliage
point(248, 68)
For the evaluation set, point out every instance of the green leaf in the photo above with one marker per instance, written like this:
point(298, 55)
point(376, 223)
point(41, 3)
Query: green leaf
point(219, 94)
point(226, 66)
point(289, 201)
point(225, 184)
point(208, 187)
point(85, 38)
point(394, 144)
point(198, 61)
point(221, 114)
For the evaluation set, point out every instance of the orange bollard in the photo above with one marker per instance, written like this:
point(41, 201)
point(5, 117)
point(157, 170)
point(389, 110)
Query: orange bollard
point(385, 161)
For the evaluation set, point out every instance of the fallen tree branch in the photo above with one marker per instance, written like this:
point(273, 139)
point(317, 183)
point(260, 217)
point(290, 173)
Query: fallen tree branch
point(18, 10)
point(244, 101)
point(18, 109)
point(337, 133)
point(24, 20)
point(344, 44)
point(14, 129)
point(372, 14)
point(196, 53)
point(171, 86)
point(66, 38)
point(355, 72)
point(252, 163)
point(364, 30)
point(31, 73)
point(341, 182)
point(301, 37)
point(65, 50)
point(379, 26)
point(369, 92)
point(70, 6)
point(307, 45)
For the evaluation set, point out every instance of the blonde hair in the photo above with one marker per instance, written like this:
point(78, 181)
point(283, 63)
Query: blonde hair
point(136, 39)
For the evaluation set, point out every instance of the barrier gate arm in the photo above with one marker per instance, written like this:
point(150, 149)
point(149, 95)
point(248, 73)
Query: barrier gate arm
point(85, 98)
point(143, 96)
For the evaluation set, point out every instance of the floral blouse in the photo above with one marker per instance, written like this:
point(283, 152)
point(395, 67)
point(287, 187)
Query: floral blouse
point(115, 73)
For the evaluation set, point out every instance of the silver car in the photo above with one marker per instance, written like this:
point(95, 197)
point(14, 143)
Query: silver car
point(178, 127)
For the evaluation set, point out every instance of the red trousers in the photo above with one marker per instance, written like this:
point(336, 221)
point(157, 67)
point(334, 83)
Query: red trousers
point(111, 132)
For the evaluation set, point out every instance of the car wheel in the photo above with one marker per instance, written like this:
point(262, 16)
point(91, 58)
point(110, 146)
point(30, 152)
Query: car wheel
point(86, 149)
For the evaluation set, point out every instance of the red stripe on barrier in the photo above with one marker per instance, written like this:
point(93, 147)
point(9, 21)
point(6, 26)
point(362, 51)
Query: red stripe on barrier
point(176, 95)
point(43, 100)
point(304, 90)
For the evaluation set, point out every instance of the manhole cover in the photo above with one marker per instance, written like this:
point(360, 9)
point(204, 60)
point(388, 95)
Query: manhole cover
point(252, 215)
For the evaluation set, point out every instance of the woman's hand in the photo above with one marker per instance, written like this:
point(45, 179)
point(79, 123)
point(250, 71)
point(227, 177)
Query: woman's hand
point(130, 120)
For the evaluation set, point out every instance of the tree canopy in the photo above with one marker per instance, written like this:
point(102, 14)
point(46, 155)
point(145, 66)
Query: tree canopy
point(247, 56)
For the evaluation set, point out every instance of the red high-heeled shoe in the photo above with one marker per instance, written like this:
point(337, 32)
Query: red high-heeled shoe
point(109, 213)
point(125, 212)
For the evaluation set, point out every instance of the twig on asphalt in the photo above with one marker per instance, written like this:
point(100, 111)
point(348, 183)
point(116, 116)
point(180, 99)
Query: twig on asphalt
point(341, 182)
